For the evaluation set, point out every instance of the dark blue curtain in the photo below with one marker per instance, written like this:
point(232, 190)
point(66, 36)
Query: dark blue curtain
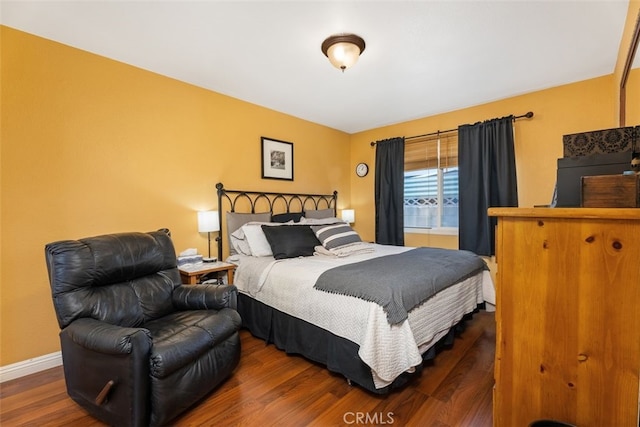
point(389, 189)
point(486, 178)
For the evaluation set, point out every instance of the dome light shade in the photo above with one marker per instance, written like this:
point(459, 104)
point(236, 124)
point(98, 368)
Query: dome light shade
point(343, 50)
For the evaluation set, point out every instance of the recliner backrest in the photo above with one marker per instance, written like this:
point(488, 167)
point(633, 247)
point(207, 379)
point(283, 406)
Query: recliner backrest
point(123, 279)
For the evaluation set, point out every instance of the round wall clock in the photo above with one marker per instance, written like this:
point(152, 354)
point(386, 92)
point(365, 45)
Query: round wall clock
point(362, 169)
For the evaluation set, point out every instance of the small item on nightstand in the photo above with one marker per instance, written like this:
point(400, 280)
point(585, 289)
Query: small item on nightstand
point(189, 256)
point(189, 259)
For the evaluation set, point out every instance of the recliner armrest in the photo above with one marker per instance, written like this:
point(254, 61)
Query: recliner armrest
point(105, 338)
point(205, 297)
point(106, 369)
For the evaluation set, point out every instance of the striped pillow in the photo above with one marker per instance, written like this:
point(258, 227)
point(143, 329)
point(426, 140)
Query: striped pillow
point(333, 236)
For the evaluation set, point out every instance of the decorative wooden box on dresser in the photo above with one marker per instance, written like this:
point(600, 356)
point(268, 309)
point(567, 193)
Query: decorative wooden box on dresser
point(567, 316)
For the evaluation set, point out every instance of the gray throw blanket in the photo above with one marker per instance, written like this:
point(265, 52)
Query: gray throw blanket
point(403, 281)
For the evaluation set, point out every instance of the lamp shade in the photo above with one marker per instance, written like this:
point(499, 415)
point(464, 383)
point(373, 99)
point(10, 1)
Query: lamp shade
point(349, 215)
point(343, 55)
point(208, 221)
point(343, 50)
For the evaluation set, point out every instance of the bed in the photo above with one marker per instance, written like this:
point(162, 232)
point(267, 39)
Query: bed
point(308, 284)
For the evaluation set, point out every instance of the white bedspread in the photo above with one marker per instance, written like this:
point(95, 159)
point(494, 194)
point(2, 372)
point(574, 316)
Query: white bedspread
point(287, 285)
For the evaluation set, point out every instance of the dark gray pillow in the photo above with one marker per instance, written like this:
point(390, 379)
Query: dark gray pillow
point(286, 217)
point(335, 235)
point(236, 220)
point(291, 241)
point(320, 213)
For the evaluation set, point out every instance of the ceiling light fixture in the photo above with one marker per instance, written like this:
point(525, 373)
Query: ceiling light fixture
point(343, 50)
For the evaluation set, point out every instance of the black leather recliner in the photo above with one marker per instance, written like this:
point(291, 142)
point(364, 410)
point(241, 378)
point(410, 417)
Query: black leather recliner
point(138, 347)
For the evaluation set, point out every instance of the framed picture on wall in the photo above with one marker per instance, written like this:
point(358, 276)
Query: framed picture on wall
point(277, 159)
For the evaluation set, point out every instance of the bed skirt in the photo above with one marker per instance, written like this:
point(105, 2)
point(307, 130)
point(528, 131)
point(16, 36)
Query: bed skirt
point(339, 355)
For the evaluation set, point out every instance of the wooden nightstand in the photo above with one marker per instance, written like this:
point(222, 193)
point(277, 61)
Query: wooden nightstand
point(191, 274)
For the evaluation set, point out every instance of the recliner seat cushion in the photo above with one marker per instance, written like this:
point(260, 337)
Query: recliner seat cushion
point(182, 337)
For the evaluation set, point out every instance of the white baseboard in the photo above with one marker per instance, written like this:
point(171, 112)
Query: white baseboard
point(30, 366)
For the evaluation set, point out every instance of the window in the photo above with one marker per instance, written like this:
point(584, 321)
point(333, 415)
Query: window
point(431, 183)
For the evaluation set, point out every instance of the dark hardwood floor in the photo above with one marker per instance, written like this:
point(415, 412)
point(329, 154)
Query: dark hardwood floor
point(270, 388)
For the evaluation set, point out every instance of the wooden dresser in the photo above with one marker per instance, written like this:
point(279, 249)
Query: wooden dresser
point(568, 316)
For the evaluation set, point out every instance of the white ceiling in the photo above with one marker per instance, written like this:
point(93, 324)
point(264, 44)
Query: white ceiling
point(421, 58)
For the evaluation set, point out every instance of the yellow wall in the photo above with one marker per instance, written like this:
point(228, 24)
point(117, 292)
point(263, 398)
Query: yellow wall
point(633, 98)
point(632, 114)
point(92, 146)
point(582, 106)
point(577, 107)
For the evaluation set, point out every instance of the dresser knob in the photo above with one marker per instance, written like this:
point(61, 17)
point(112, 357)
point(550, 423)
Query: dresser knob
point(582, 357)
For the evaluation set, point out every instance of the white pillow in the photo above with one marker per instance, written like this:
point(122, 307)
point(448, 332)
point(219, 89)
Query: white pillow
point(236, 220)
point(239, 242)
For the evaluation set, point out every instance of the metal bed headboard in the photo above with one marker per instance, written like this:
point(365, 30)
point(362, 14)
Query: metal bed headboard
point(249, 201)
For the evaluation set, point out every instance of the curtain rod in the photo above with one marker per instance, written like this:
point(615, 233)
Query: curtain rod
point(527, 115)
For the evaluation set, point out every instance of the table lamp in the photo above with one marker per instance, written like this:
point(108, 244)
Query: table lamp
point(208, 222)
point(349, 215)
